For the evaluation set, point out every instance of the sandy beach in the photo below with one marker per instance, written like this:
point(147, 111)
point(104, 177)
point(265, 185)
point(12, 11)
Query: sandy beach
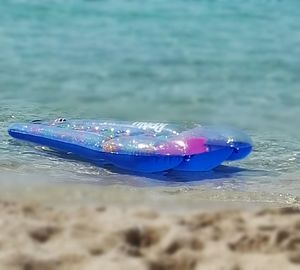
point(35, 236)
point(124, 130)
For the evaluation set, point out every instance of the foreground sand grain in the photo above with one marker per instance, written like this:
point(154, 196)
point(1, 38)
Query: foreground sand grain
point(35, 237)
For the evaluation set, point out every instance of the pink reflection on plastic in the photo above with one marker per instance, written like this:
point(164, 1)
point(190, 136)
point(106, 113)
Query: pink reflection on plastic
point(185, 146)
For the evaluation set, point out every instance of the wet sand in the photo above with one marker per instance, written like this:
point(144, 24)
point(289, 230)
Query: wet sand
point(35, 236)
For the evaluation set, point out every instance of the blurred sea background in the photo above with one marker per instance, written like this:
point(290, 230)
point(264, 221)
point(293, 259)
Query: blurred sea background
point(212, 62)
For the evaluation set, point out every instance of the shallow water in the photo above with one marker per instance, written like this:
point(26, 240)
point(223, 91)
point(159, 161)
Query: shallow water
point(204, 61)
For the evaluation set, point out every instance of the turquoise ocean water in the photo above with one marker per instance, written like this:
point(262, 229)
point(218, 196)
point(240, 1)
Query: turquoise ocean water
point(222, 62)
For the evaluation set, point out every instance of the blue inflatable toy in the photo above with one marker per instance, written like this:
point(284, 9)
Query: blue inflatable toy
point(138, 146)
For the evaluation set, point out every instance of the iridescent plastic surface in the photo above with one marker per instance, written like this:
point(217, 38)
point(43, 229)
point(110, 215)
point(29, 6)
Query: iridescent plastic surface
point(138, 146)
